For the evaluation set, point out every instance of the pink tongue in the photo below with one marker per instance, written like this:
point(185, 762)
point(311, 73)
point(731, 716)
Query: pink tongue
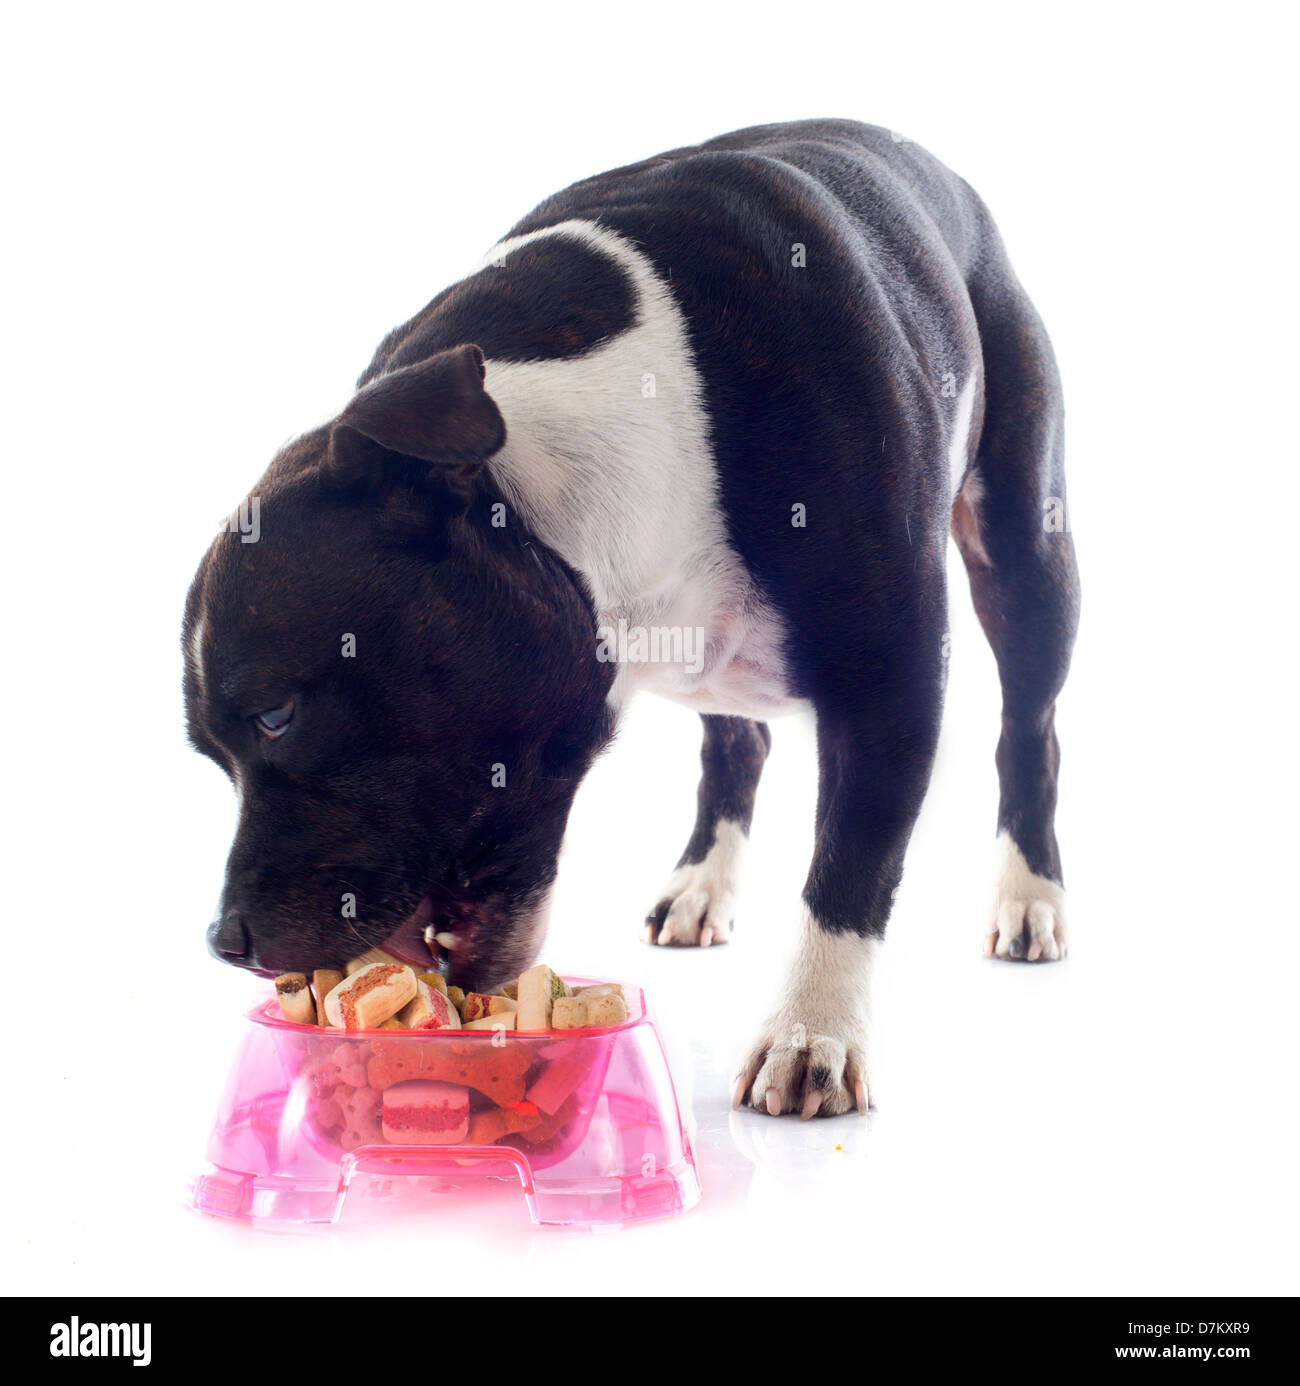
point(407, 940)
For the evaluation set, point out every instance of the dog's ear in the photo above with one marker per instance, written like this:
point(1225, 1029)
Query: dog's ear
point(435, 411)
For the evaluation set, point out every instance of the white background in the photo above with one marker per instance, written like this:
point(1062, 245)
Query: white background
point(214, 215)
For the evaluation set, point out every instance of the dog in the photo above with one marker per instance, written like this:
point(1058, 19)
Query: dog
point(723, 406)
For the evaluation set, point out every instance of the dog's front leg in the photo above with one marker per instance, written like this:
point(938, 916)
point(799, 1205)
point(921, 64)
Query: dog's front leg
point(811, 1056)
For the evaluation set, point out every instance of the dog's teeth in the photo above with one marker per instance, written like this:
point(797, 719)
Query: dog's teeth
point(447, 940)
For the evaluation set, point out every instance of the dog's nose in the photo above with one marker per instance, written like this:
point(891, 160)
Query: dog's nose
point(228, 939)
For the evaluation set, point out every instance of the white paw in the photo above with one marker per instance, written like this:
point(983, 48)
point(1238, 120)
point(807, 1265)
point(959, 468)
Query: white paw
point(1027, 920)
point(811, 1056)
point(695, 906)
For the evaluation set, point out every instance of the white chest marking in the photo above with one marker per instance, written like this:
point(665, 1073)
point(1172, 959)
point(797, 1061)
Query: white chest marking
point(607, 459)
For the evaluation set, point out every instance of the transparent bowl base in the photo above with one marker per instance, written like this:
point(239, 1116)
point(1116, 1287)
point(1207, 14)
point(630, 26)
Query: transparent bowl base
point(616, 1200)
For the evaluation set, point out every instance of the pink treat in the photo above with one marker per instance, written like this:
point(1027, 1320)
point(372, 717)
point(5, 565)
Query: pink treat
point(425, 1114)
point(558, 1079)
point(430, 1010)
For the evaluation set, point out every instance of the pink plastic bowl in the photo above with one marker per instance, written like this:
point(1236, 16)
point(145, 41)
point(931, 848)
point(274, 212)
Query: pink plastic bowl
point(301, 1116)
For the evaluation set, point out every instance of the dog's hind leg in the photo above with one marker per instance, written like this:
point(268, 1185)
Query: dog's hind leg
point(695, 905)
point(1011, 525)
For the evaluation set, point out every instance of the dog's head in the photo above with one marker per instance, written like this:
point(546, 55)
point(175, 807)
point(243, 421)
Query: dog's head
point(403, 687)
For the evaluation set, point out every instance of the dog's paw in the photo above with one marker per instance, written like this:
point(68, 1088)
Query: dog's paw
point(1027, 920)
point(809, 1061)
point(811, 1056)
point(695, 906)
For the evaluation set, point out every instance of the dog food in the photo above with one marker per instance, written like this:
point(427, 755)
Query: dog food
point(295, 998)
point(605, 989)
point(504, 1020)
point(495, 1071)
point(425, 1114)
point(429, 1009)
point(487, 1127)
point(366, 959)
point(436, 1085)
point(361, 1116)
point(378, 991)
point(476, 1006)
point(578, 1012)
point(538, 989)
point(370, 996)
point(553, 1087)
point(416, 1091)
point(323, 981)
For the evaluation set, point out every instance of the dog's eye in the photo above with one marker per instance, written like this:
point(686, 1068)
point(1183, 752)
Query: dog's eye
point(275, 722)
